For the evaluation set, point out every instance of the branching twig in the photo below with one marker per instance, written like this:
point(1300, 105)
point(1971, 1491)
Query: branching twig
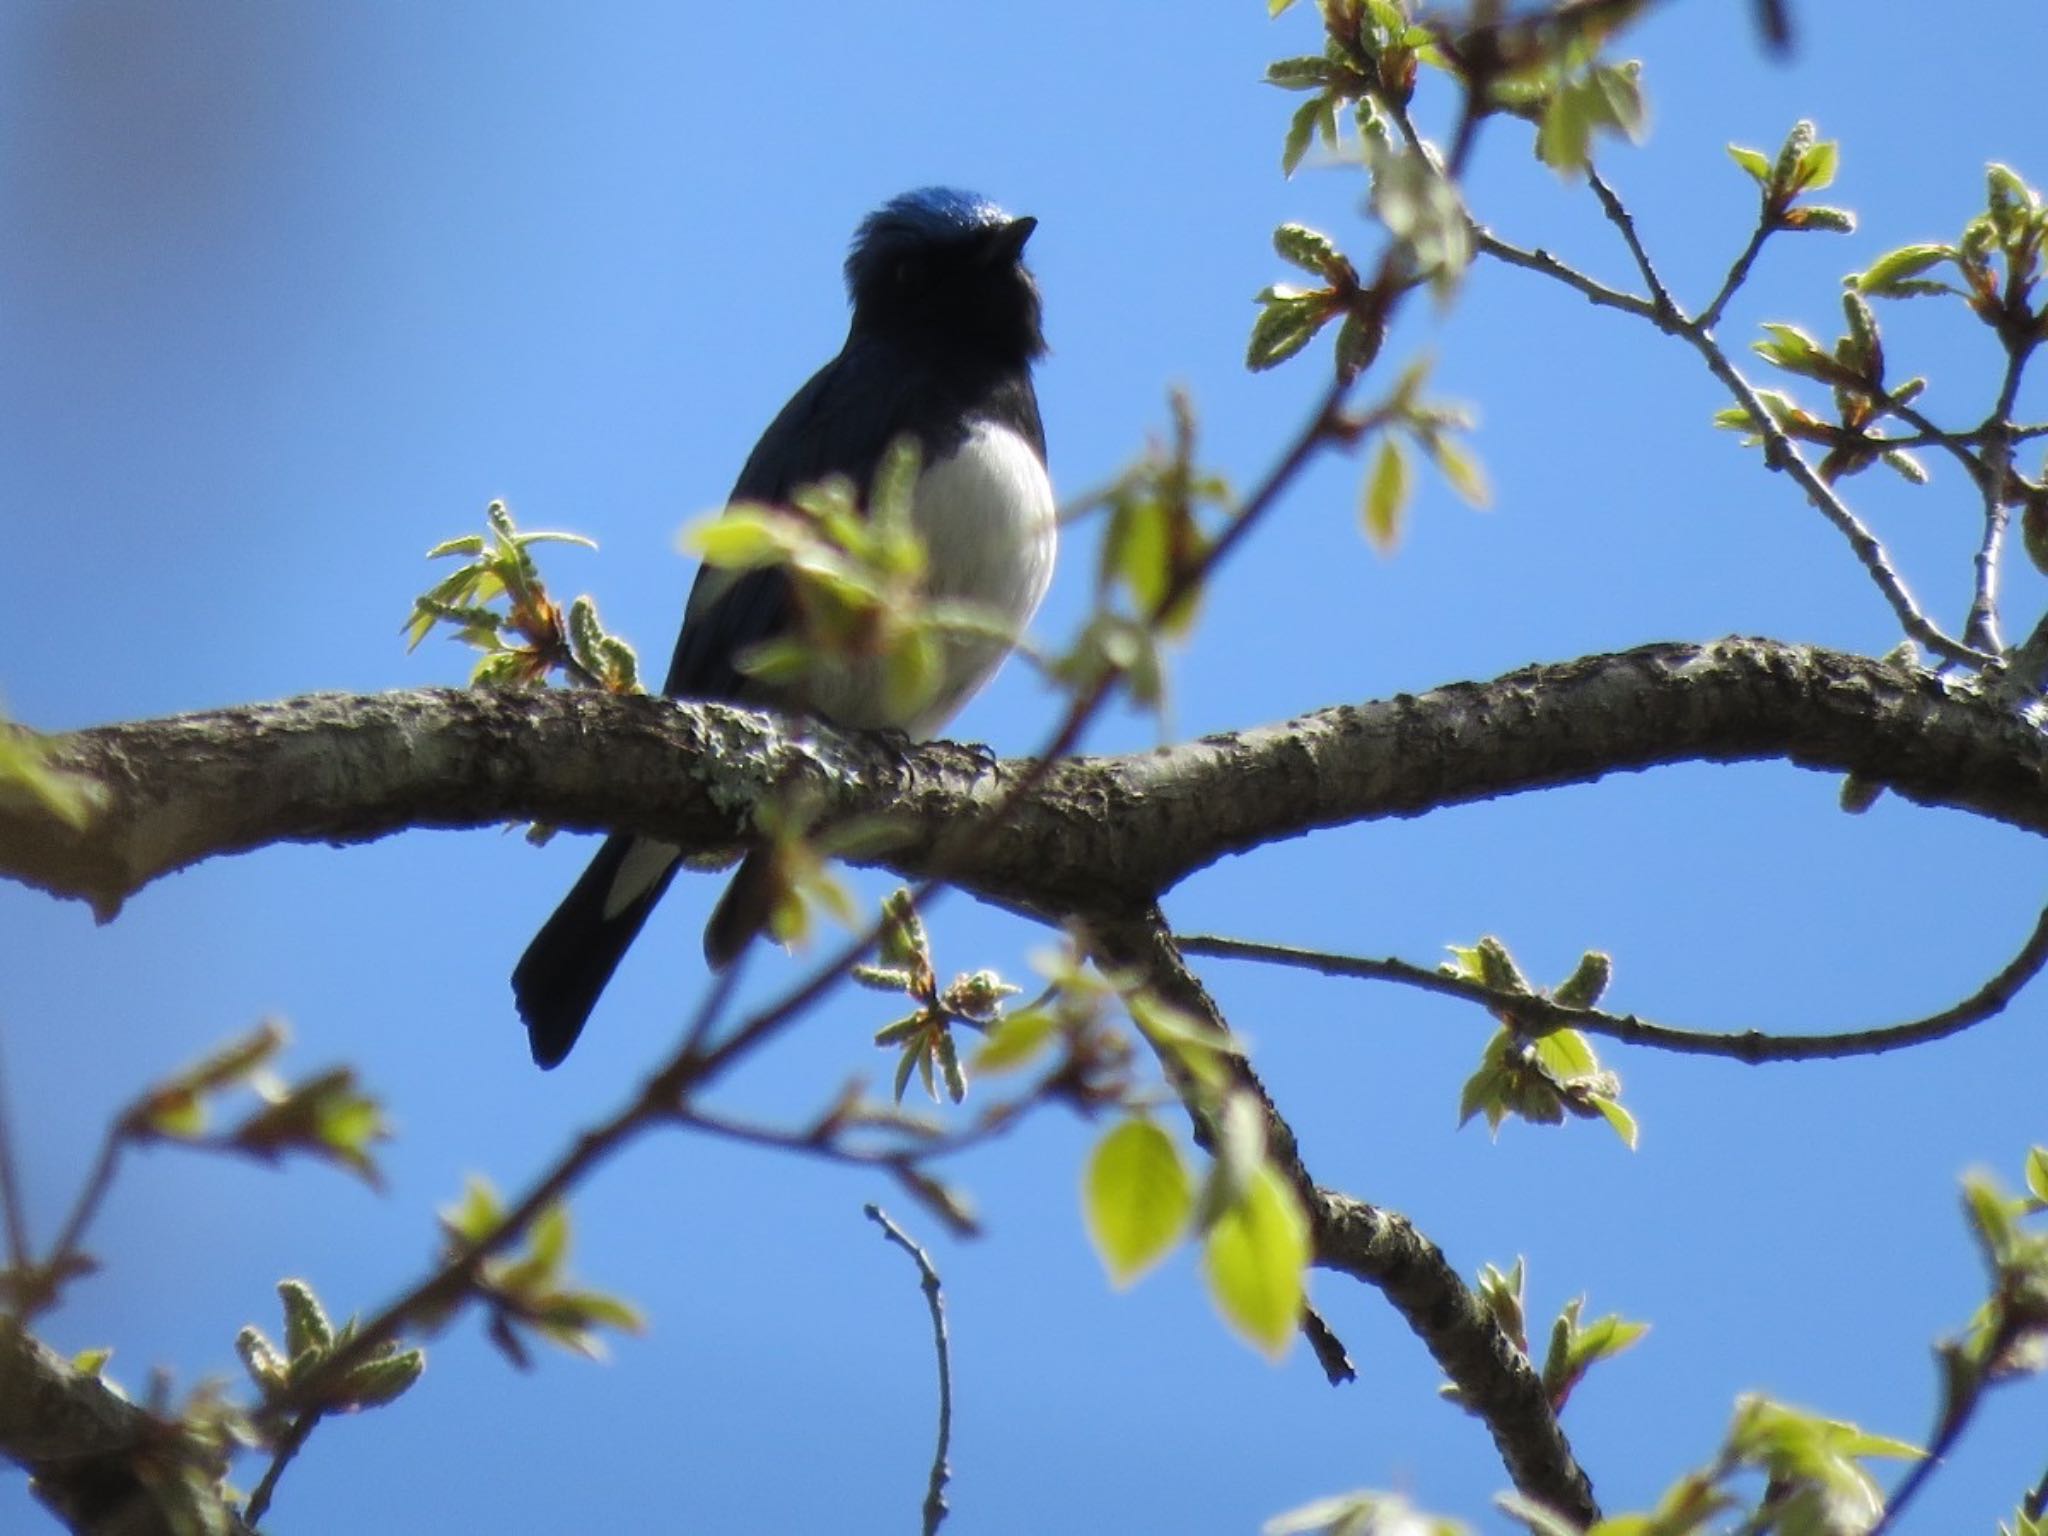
point(1780, 452)
point(1624, 221)
point(1493, 1377)
point(1536, 1014)
point(1541, 261)
point(928, 1278)
point(1738, 272)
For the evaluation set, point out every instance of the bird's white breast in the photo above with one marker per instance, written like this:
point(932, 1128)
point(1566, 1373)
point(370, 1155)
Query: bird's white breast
point(990, 528)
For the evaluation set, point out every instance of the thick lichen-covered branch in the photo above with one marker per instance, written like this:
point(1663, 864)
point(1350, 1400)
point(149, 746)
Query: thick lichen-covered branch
point(1094, 832)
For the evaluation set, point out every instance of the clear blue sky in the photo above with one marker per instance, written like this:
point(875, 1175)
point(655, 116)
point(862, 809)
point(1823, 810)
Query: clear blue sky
point(287, 293)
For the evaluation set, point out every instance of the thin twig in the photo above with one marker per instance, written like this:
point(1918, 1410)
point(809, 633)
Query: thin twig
point(1752, 1046)
point(1624, 221)
point(1780, 452)
point(1541, 261)
point(288, 1445)
point(1981, 628)
point(11, 1201)
point(1738, 269)
point(935, 1490)
point(1959, 1407)
point(94, 1191)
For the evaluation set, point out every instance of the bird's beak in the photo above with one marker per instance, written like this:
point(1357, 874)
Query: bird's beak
point(1007, 243)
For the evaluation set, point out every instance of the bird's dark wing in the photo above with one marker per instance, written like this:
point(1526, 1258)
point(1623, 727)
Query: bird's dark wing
point(837, 424)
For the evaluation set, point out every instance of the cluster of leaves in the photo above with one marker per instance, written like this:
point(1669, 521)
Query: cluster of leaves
point(1804, 163)
point(1539, 1072)
point(857, 577)
point(1141, 1199)
point(530, 635)
point(1546, 69)
point(530, 1291)
point(923, 1038)
point(2008, 1337)
point(1815, 1483)
point(310, 1341)
point(1994, 268)
point(1165, 513)
point(1998, 260)
point(1575, 1346)
point(326, 1116)
point(1997, 263)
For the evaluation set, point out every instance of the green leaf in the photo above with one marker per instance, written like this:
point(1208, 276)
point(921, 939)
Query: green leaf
point(1884, 277)
point(1386, 495)
point(1796, 144)
point(1288, 321)
point(381, 1379)
point(1016, 1041)
point(1309, 249)
point(1460, 470)
point(1753, 161)
point(266, 1368)
point(305, 1321)
point(2037, 1174)
point(1623, 1122)
point(1136, 1197)
point(90, 1362)
point(1564, 139)
point(476, 1214)
point(1816, 166)
point(1588, 980)
point(27, 774)
point(1254, 1257)
point(1303, 72)
point(912, 671)
point(741, 538)
point(1828, 221)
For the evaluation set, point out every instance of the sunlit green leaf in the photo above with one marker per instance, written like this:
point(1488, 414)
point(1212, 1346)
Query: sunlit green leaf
point(1254, 1257)
point(1386, 495)
point(1137, 1197)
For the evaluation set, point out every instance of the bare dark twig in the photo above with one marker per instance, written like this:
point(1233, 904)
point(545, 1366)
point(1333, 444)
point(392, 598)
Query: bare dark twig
point(1738, 271)
point(1666, 309)
point(287, 1446)
point(12, 1207)
point(1752, 1046)
point(1542, 262)
point(928, 1279)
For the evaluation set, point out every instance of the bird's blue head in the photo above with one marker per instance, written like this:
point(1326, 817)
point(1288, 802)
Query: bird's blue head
point(946, 266)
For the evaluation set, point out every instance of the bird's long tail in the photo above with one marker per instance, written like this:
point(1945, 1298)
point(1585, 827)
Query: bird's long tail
point(559, 978)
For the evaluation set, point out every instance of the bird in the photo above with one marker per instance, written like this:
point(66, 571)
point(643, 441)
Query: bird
point(946, 325)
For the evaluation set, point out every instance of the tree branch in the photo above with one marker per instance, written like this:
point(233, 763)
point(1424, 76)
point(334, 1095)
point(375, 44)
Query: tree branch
point(1095, 833)
point(1753, 1046)
point(1382, 1249)
point(102, 1464)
